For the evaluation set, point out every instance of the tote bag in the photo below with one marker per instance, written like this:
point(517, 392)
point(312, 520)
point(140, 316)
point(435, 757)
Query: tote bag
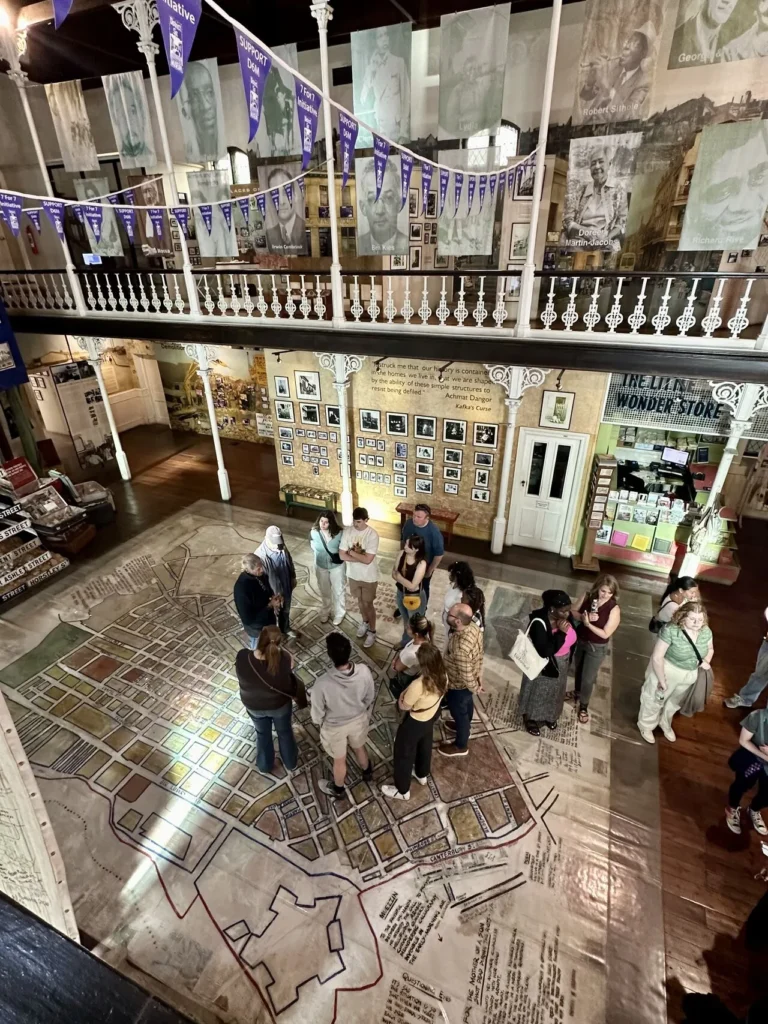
point(697, 696)
point(525, 655)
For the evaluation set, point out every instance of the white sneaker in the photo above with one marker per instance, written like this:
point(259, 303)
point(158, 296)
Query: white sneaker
point(758, 823)
point(669, 733)
point(394, 794)
point(370, 640)
point(421, 781)
point(733, 819)
point(362, 629)
point(339, 619)
point(292, 634)
point(736, 702)
point(647, 736)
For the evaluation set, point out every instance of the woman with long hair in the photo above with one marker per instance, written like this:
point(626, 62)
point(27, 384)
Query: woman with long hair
point(551, 633)
point(325, 537)
point(599, 617)
point(679, 590)
point(267, 688)
point(406, 661)
point(412, 754)
point(408, 574)
point(463, 589)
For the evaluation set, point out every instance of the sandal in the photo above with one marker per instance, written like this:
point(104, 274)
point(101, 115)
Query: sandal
point(573, 696)
point(583, 716)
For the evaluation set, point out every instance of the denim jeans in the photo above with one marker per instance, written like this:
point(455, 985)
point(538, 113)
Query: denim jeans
point(265, 750)
point(426, 583)
point(758, 681)
point(284, 614)
point(589, 658)
point(406, 614)
point(462, 707)
point(253, 640)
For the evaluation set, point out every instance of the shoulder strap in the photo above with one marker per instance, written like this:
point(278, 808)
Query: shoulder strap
point(693, 645)
point(322, 538)
point(254, 663)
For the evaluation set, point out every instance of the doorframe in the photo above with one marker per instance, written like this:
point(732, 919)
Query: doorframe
point(566, 546)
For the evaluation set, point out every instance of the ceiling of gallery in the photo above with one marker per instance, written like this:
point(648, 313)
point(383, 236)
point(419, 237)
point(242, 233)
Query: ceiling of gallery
point(92, 42)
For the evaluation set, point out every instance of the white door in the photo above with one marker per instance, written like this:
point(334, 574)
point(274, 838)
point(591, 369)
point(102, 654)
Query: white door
point(543, 491)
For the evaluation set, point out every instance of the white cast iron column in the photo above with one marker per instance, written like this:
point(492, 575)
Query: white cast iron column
point(141, 16)
point(203, 355)
point(515, 380)
point(341, 366)
point(323, 12)
point(95, 347)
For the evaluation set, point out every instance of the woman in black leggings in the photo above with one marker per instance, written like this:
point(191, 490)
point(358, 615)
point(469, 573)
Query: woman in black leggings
point(750, 763)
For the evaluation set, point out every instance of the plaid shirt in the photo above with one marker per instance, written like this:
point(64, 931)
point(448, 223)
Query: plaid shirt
point(464, 659)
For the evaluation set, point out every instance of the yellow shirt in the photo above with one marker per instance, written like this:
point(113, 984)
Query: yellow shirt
point(423, 704)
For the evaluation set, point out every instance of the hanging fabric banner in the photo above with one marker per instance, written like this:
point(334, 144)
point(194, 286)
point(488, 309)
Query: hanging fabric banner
point(406, 169)
point(492, 186)
point(178, 24)
point(78, 212)
point(511, 179)
point(245, 209)
point(502, 183)
point(288, 187)
point(61, 9)
point(302, 185)
point(254, 66)
point(181, 213)
point(94, 214)
point(34, 216)
point(157, 217)
point(114, 200)
point(380, 157)
point(10, 210)
point(458, 185)
point(72, 126)
point(127, 216)
point(526, 173)
point(261, 202)
point(473, 60)
point(206, 212)
point(426, 181)
point(129, 197)
point(308, 108)
point(274, 195)
point(444, 176)
point(55, 212)
point(226, 209)
point(471, 185)
point(348, 129)
point(482, 188)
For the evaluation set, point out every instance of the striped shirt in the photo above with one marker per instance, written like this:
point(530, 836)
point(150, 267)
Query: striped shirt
point(680, 653)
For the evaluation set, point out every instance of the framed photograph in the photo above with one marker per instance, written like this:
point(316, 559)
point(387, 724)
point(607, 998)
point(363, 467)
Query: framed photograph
point(425, 451)
point(397, 423)
point(480, 495)
point(287, 460)
point(314, 449)
point(512, 283)
point(401, 478)
point(424, 468)
point(305, 458)
point(38, 394)
point(370, 442)
point(453, 455)
point(482, 477)
point(399, 465)
point(423, 486)
point(518, 243)
point(484, 459)
point(362, 459)
point(455, 431)
point(333, 437)
point(324, 462)
point(732, 257)
point(284, 411)
point(358, 474)
point(381, 444)
point(360, 442)
point(401, 449)
point(370, 420)
point(379, 478)
point(307, 384)
point(285, 433)
point(388, 479)
point(310, 413)
point(413, 202)
point(323, 450)
point(425, 427)
point(177, 246)
point(332, 417)
point(451, 488)
point(401, 492)
point(451, 473)
point(398, 262)
point(282, 388)
point(286, 446)
point(305, 448)
point(366, 474)
point(557, 409)
point(300, 432)
point(415, 234)
point(441, 262)
point(486, 435)
point(415, 257)
point(311, 433)
point(322, 435)
point(762, 242)
point(432, 204)
point(379, 460)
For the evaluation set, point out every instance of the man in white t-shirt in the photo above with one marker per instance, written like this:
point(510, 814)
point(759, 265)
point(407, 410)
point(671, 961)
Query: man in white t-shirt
point(359, 544)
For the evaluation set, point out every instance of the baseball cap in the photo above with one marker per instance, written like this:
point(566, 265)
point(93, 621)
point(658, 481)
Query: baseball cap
point(274, 535)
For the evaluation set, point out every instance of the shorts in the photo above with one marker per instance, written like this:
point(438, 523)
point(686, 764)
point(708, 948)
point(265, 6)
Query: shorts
point(364, 593)
point(336, 738)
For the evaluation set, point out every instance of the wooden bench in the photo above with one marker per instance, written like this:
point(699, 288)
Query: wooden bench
point(439, 515)
point(308, 497)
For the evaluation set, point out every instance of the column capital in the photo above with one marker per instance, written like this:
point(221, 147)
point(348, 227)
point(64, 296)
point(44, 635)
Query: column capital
point(516, 379)
point(727, 392)
point(13, 46)
point(203, 355)
point(322, 12)
point(341, 370)
point(93, 346)
point(140, 16)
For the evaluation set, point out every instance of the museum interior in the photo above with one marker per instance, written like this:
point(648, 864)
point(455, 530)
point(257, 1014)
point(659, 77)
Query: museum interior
point(416, 326)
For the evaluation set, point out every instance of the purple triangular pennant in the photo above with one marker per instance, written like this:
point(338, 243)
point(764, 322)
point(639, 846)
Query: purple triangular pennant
point(502, 183)
point(482, 188)
point(245, 209)
point(274, 195)
point(426, 181)
point(61, 9)
point(181, 213)
point(458, 185)
point(348, 129)
point(114, 199)
point(380, 157)
point(10, 210)
point(206, 212)
point(444, 176)
point(261, 203)
point(288, 186)
point(511, 179)
point(157, 217)
point(127, 216)
point(128, 197)
point(226, 209)
point(94, 214)
point(492, 186)
point(254, 67)
point(55, 212)
point(471, 184)
point(179, 20)
point(302, 185)
point(34, 216)
point(406, 169)
point(308, 108)
point(78, 212)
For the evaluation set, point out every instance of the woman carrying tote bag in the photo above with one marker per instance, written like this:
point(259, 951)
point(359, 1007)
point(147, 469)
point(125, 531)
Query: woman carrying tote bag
point(551, 633)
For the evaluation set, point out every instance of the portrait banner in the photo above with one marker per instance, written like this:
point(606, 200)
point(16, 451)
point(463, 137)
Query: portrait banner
point(382, 224)
point(380, 157)
point(261, 202)
point(245, 209)
point(718, 31)
point(89, 191)
point(406, 170)
point(381, 82)
point(284, 218)
point(458, 185)
point(482, 188)
point(426, 182)
point(61, 9)
point(473, 57)
point(471, 186)
point(127, 216)
point(348, 129)
point(248, 223)
point(178, 24)
point(201, 113)
point(94, 215)
point(34, 216)
point(181, 213)
point(131, 123)
point(461, 232)
point(55, 213)
point(308, 108)
point(226, 212)
point(254, 67)
point(72, 127)
point(617, 65)
point(600, 172)
point(729, 190)
point(208, 188)
point(10, 210)
point(278, 131)
point(150, 194)
point(158, 219)
point(444, 176)
point(206, 212)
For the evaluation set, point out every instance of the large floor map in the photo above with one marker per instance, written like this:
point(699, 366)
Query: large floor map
point(481, 900)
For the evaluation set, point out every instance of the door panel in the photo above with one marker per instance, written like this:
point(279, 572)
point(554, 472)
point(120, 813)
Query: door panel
point(542, 492)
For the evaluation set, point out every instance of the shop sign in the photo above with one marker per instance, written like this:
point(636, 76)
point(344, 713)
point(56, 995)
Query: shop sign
point(673, 402)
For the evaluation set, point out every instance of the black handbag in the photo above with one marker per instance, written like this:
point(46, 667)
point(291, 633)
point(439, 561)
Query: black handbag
point(654, 625)
point(335, 558)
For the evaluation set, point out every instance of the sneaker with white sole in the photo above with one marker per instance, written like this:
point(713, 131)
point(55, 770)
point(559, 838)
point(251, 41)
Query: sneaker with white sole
point(736, 702)
point(394, 794)
point(669, 733)
point(733, 819)
point(421, 781)
point(330, 789)
point(758, 823)
point(370, 640)
point(647, 735)
point(362, 629)
point(339, 619)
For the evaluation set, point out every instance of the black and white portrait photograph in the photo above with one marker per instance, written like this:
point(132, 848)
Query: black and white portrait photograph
point(401, 478)
point(201, 114)
point(381, 82)
point(415, 232)
point(484, 459)
point(400, 492)
point(285, 432)
point(399, 465)
point(718, 31)
point(284, 411)
point(286, 446)
point(450, 488)
point(432, 204)
point(401, 449)
point(453, 455)
point(455, 431)
point(370, 420)
point(287, 460)
point(423, 486)
point(473, 57)
point(425, 451)
point(486, 435)
point(212, 187)
point(307, 384)
point(131, 123)
point(480, 495)
point(332, 418)
point(424, 469)
point(413, 202)
point(370, 442)
point(72, 126)
point(425, 427)
point(360, 442)
point(278, 133)
point(451, 473)
point(482, 477)
point(109, 244)
point(286, 224)
point(382, 227)
point(282, 387)
point(381, 444)
point(310, 413)
point(397, 423)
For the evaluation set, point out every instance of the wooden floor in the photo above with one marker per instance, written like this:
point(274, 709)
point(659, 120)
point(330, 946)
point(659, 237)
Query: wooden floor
point(708, 873)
